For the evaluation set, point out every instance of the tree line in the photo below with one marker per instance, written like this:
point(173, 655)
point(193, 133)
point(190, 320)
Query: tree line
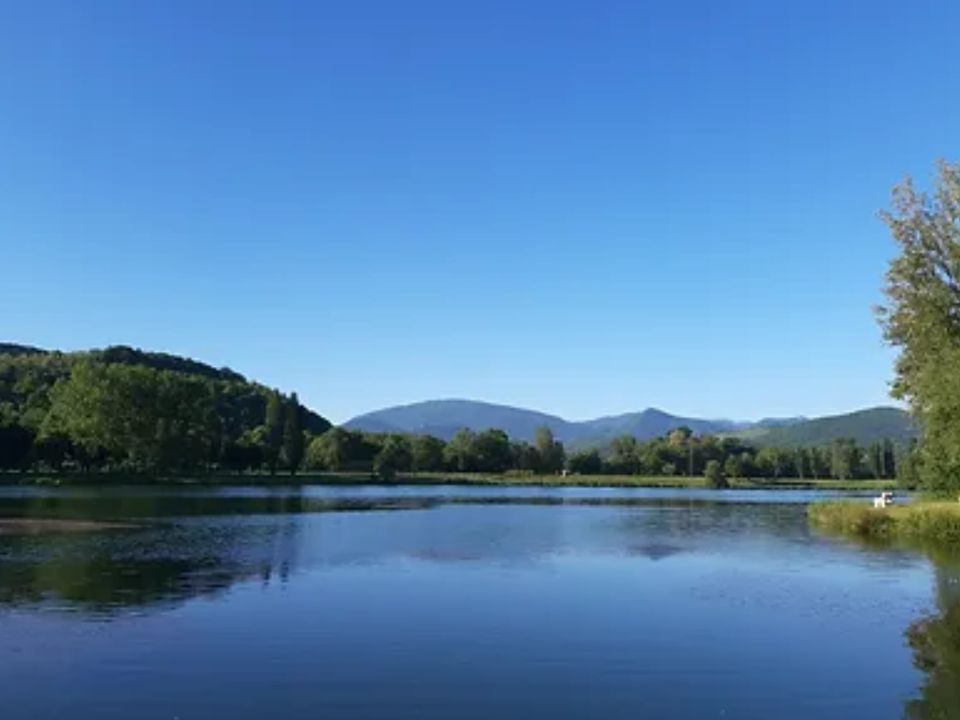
point(680, 452)
point(121, 410)
point(127, 411)
point(921, 318)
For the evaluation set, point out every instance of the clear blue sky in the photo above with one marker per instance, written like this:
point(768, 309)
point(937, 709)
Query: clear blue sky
point(583, 207)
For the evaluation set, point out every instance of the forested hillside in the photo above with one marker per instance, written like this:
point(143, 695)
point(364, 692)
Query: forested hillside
point(864, 426)
point(124, 409)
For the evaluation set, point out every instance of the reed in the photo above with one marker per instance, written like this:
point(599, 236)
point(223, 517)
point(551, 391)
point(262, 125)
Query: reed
point(923, 521)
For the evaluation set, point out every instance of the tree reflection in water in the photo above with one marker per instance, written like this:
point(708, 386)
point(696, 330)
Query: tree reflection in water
point(935, 642)
point(187, 545)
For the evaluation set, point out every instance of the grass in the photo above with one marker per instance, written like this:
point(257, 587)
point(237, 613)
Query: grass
point(922, 521)
point(673, 481)
point(502, 480)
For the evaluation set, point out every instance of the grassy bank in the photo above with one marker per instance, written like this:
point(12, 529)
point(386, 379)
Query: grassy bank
point(935, 522)
point(502, 480)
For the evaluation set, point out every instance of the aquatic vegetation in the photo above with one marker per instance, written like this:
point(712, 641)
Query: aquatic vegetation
point(937, 522)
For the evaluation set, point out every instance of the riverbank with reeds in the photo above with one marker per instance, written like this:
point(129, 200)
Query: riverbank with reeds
point(920, 521)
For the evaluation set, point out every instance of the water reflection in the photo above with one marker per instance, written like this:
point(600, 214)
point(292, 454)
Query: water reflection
point(107, 505)
point(193, 543)
point(158, 567)
point(184, 545)
point(561, 604)
point(935, 641)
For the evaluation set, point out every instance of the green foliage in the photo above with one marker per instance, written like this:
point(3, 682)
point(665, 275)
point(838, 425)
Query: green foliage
point(864, 426)
point(935, 642)
point(775, 462)
point(526, 459)
point(922, 320)
point(427, 454)
point(273, 426)
point(713, 472)
point(491, 451)
point(586, 462)
point(292, 445)
point(851, 518)
point(933, 522)
point(844, 459)
point(908, 469)
point(625, 455)
point(459, 452)
point(395, 456)
point(148, 419)
point(550, 451)
point(733, 466)
point(329, 451)
point(123, 409)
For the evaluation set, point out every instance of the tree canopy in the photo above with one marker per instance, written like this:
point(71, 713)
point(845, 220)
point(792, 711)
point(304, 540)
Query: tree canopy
point(921, 318)
point(124, 409)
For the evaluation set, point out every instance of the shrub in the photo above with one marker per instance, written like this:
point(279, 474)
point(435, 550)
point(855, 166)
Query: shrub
point(714, 475)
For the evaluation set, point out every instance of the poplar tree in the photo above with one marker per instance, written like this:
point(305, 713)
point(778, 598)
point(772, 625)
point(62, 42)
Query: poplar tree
point(921, 318)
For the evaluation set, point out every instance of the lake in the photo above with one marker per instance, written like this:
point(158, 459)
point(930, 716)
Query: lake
point(460, 602)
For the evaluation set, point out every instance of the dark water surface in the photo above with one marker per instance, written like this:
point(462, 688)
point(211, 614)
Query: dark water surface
point(453, 602)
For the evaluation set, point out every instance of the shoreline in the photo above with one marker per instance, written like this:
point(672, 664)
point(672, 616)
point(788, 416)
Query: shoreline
point(434, 479)
point(923, 521)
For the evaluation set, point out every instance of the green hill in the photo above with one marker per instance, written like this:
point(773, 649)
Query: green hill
point(864, 426)
point(121, 407)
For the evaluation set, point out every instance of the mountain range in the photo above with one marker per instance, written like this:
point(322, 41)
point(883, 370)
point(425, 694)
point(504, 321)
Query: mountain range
point(443, 418)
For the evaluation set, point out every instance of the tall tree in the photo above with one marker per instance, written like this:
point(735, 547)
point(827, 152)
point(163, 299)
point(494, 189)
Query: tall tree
point(293, 441)
point(273, 422)
point(713, 472)
point(586, 462)
point(145, 419)
point(395, 456)
point(922, 319)
point(844, 459)
point(460, 453)
point(889, 459)
point(492, 451)
point(552, 455)
point(732, 467)
point(330, 451)
point(427, 454)
point(625, 455)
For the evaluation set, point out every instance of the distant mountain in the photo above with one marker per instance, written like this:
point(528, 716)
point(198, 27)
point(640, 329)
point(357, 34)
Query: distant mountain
point(778, 422)
point(443, 418)
point(646, 424)
point(864, 426)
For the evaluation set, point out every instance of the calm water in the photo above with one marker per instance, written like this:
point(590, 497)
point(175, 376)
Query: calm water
point(462, 603)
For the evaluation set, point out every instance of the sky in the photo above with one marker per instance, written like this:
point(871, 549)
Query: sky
point(580, 207)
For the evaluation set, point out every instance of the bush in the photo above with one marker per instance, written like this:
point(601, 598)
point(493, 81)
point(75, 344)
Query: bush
point(714, 475)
